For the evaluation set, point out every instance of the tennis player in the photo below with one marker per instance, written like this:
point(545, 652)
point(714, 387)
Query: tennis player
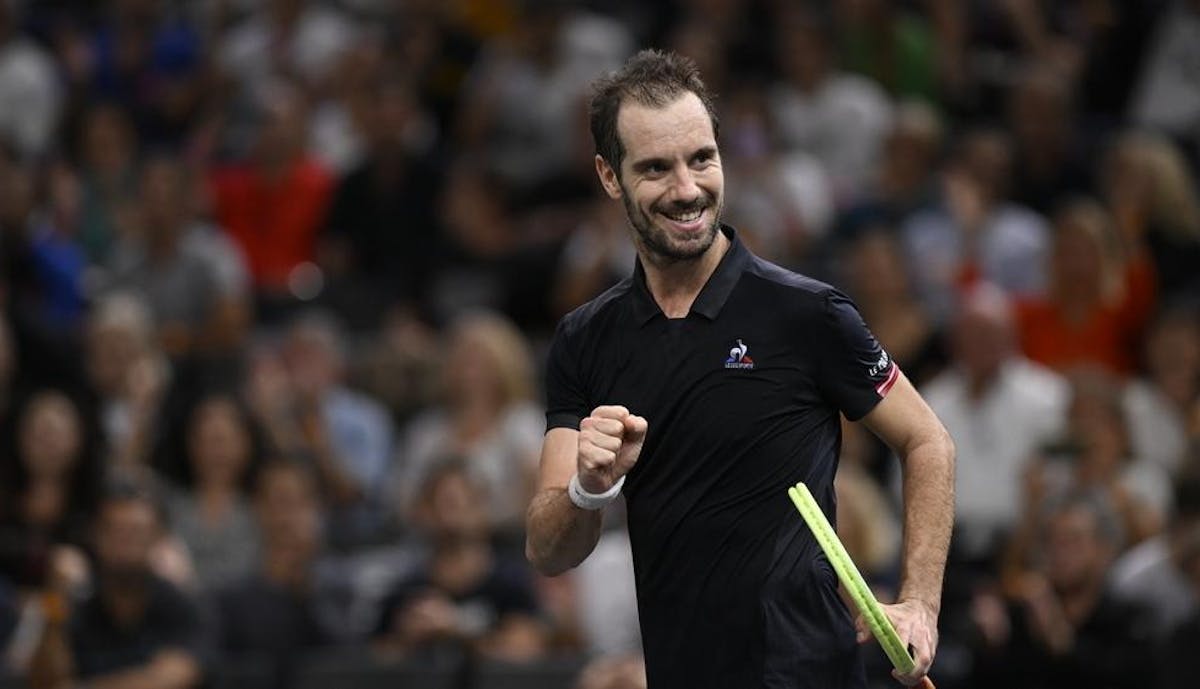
point(702, 388)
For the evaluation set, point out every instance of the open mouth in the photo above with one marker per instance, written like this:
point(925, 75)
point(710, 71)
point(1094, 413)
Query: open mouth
point(686, 221)
point(685, 217)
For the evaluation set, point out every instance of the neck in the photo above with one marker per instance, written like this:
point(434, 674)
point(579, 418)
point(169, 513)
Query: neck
point(675, 284)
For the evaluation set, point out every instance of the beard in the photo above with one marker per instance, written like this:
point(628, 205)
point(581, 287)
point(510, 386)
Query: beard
point(658, 242)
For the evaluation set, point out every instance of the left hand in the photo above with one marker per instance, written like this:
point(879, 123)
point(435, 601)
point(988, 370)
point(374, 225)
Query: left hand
point(916, 623)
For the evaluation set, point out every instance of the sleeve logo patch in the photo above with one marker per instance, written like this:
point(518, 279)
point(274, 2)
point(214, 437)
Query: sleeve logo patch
point(881, 365)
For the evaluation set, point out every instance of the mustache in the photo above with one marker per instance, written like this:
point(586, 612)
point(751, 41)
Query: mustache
point(679, 207)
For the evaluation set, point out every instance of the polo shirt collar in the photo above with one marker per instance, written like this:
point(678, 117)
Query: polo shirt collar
point(712, 296)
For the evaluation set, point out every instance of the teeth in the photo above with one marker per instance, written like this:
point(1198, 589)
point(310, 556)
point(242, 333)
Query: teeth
point(690, 217)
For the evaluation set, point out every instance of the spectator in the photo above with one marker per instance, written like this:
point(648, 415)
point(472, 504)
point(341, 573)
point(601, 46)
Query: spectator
point(193, 282)
point(1155, 573)
point(1175, 655)
point(1098, 300)
point(488, 261)
point(880, 282)
point(108, 165)
point(839, 118)
point(284, 607)
point(149, 60)
point(975, 233)
point(892, 46)
point(135, 629)
point(867, 523)
point(1158, 403)
point(273, 204)
point(382, 226)
point(783, 201)
point(1167, 99)
point(520, 99)
point(1001, 410)
point(487, 416)
point(288, 39)
point(597, 255)
point(466, 593)
point(1095, 454)
point(50, 471)
point(1062, 628)
point(212, 514)
point(1049, 166)
point(903, 181)
point(308, 411)
point(128, 374)
point(1153, 197)
point(27, 76)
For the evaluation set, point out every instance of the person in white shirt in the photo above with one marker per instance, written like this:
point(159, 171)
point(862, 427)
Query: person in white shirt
point(1000, 409)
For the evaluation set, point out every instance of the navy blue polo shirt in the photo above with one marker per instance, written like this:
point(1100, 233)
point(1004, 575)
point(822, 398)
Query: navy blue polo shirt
point(742, 397)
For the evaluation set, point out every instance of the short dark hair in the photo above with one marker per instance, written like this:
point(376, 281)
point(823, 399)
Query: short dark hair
point(652, 78)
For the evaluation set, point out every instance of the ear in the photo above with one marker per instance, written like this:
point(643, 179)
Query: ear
point(608, 178)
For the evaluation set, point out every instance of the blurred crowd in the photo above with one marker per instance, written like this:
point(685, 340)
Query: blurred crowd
point(277, 276)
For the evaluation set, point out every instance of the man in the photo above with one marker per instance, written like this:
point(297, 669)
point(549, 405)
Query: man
point(136, 630)
point(704, 386)
point(1062, 627)
point(1002, 410)
point(286, 608)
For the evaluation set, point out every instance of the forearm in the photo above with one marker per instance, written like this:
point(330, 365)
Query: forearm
point(928, 520)
point(559, 534)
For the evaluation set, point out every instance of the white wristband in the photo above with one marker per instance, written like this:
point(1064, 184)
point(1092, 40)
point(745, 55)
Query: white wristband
point(592, 501)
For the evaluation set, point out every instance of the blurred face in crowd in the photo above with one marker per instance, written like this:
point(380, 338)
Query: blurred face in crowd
point(877, 268)
point(471, 370)
point(108, 140)
point(1077, 261)
point(986, 158)
point(126, 532)
point(50, 435)
point(313, 360)
point(1173, 356)
point(1097, 423)
point(112, 350)
point(983, 335)
point(670, 179)
point(1077, 554)
point(219, 443)
point(456, 508)
point(1039, 113)
point(289, 511)
point(392, 114)
point(283, 131)
point(164, 199)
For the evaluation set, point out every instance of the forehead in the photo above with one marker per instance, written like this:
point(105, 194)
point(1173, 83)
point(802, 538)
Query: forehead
point(678, 128)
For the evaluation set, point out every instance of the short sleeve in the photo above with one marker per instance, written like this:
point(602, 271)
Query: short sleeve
point(566, 402)
point(855, 372)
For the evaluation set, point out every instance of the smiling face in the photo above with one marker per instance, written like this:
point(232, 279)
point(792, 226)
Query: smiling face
point(670, 179)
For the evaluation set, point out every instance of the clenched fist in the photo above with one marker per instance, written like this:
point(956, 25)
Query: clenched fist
point(610, 441)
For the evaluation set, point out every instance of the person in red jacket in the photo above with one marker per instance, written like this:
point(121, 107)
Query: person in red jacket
point(274, 203)
point(1099, 298)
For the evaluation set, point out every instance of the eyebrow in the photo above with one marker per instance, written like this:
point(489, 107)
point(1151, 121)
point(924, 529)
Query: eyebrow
point(646, 163)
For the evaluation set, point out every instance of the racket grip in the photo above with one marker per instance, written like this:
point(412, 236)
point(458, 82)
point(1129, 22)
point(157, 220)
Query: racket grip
point(927, 683)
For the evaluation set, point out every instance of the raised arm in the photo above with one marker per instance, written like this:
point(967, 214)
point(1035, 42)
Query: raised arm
point(560, 534)
point(910, 428)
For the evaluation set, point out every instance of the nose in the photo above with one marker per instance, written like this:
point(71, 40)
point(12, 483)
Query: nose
point(683, 185)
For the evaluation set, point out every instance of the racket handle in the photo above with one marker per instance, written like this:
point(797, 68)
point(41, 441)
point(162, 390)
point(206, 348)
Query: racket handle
point(927, 683)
